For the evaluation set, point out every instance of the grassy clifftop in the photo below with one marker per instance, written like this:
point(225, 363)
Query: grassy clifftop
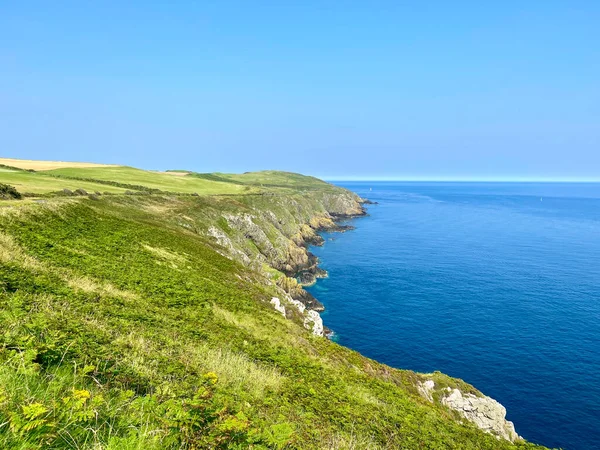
point(147, 321)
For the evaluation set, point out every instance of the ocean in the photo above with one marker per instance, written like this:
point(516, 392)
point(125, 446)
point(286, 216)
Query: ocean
point(494, 283)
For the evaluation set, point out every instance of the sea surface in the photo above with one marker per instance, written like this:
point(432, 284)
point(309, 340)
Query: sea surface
point(494, 283)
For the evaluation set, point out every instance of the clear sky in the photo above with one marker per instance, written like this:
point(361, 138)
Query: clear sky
point(385, 89)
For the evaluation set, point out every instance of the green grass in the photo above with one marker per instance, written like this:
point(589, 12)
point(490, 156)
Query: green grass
point(153, 180)
point(118, 179)
point(41, 183)
point(272, 178)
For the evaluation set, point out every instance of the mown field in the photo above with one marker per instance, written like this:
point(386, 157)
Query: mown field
point(124, 325)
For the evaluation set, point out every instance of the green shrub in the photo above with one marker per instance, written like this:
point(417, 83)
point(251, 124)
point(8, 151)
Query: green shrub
point(8, 192)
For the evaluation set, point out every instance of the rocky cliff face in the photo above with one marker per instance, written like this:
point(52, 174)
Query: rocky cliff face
point(272, 236)
point(485, 412)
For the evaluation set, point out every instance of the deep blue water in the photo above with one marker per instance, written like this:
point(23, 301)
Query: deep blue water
point(494, 283)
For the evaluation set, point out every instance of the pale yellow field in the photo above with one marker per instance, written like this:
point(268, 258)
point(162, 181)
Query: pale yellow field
point(47, 165)
point(175, 174)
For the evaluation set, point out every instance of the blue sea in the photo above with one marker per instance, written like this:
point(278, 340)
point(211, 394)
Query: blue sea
point(494, 283)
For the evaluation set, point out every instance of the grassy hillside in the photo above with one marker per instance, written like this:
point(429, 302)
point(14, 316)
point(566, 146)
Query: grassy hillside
point(270, 178)
point(52, 177)
point(39, 183)
point(153, 180)
point(146, 322)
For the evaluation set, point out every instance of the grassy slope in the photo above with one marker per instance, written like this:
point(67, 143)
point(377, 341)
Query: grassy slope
point(154, 180)
point(39, 183)
point(118, 179)
point(121, 326)
point(272, 178)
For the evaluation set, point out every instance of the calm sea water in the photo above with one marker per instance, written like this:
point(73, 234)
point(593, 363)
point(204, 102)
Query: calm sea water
point(495, 283)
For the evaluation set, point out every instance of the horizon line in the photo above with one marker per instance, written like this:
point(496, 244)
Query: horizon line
point(462, 180)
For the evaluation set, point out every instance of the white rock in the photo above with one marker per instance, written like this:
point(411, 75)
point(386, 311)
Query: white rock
point(224, 241)
point(485, 412)
point(299, 305)
point(315, 318)
point(426, 388)
point(278, 306)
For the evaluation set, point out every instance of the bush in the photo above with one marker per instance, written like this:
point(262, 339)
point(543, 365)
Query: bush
point(8, 192)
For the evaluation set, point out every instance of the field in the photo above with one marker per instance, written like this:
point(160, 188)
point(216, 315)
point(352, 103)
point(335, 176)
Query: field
point(28, 164)
point(152, 180)
point(38, 183)
point(51, 177)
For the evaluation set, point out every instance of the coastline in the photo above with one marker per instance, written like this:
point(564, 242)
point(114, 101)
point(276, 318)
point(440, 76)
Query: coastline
point(308, 276)
point(465, 400)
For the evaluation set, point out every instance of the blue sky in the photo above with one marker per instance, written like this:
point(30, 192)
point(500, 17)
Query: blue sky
point(438, 90)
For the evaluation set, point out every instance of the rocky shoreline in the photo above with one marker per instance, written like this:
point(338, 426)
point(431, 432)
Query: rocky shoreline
point(309, 274)
point(273, 235)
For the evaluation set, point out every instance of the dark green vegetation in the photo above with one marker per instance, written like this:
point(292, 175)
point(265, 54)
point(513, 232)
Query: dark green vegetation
point(122, 326)
point(8, 192)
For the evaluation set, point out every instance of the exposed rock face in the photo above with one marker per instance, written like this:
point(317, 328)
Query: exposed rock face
point(283, 254)
point(277, 233)
point(308, 234)
point(245, 224)
point(314, 318)
point(426, 389)
point(295, 290)
point(278, 306)
point(485, 412)
point(309, 277)
point(224, 241)
point(344, 206)
point(299, 305)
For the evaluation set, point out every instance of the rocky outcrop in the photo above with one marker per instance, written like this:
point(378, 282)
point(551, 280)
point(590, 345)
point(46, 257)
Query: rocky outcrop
point(485, 412)
point(317, 322)
point(312, 319)
point(340, 206)
point(426, 389)
point(224, 241)
point(309, 277)
point(278, 306)
point(297, 292)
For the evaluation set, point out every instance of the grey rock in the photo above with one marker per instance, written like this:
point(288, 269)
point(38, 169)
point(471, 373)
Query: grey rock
point(485, 412)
